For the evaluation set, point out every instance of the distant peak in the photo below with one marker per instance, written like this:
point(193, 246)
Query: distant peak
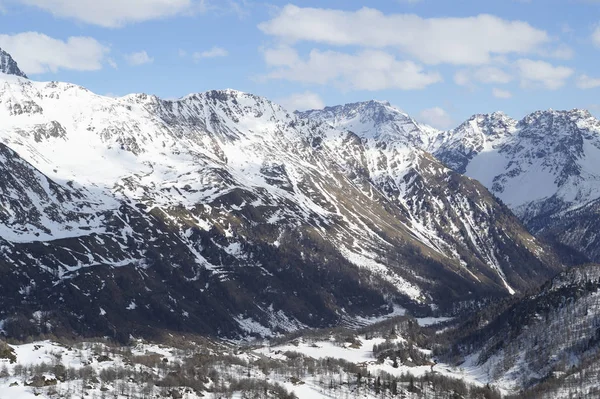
point(496, 124)
point(9, 66)
point(575, 113)
point(222, 95)
point(370, 103)
point(493, 115)
point(363, 107)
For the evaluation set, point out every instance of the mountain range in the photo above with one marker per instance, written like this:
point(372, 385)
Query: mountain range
point(222, 213)
point(543, 167)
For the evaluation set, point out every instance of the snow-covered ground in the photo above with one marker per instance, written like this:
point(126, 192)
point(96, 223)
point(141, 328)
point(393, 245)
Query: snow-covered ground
point(363, 355)
point(85, 370)
point(46, 356)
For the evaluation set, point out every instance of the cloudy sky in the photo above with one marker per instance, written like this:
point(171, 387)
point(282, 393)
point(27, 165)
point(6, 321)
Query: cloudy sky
point(439, 60)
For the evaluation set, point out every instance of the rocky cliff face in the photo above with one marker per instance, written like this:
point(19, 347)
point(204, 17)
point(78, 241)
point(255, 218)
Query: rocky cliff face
point(9, 66)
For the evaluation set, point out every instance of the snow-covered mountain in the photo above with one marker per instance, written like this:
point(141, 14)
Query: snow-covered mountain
point(454, 215)
point(376, 120)
point(457, 148)
point(545, 168)
point(224, 203)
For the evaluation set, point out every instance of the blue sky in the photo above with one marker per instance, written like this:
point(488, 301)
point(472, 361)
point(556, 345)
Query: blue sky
point(439, 60)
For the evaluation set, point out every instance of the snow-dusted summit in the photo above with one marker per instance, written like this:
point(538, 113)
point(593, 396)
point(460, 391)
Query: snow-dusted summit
point(376, 120)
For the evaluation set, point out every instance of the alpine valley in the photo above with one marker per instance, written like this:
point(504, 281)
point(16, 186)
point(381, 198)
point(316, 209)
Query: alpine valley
point(225, 217)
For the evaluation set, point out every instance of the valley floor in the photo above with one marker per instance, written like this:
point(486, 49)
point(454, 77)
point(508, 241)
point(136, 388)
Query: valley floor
point(334, 365)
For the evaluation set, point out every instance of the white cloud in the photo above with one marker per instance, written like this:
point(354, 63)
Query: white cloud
point(436, 117)
point(139, 58)
point(487, 75)
point(112, 63)
point(596, 36)
point(240, 8)
point(492, 75)
point(462, 78)
point(459, 41)
point(566, 29)
point(302, 101)
point(37, 53)
point(367, 70)
point(500, 93)
point(116, 13)
point(212, 53)
point(281, 56)
point(587, 82)
point(562, 52)
point(542, 74)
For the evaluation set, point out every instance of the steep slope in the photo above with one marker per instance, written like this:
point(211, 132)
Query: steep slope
point(452, 214)
point(31, 205)
point(140, 273)
point(577, 228)
point(9, 66)
point(544, 167)
point(547, 342)
point(222, 213)
point(457, 148)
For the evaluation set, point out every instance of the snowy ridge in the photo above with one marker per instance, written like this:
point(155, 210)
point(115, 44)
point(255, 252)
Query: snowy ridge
point(457, 147)
point(375, 120)
point(34, 207)
point(543, 167)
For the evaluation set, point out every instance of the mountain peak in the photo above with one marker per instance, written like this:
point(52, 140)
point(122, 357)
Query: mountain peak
point(365, 115)
point(575, 112)
point(499, 115)
point(494, 124)
point(363, 106)
point(547, 119)
point(9, 66)
point(375, 120)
